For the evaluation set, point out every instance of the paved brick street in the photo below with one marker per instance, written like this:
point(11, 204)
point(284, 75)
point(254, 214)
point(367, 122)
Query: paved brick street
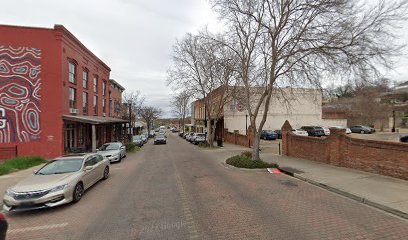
point(178, 191)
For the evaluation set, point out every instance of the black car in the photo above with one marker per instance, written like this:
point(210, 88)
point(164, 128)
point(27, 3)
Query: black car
point(314, 131)
point(3, 226)
point(404, 138)
point(269, 135)
point(361, 129)
point(279, 133)
point(160, 139)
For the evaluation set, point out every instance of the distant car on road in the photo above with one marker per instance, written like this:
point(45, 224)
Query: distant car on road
point(114, 151)
point(189, 136)
point(404, 138)
point(3, 226)
point(300, 132)
point(137, 139)
point(326, 131)
point(269, 135)
point(314, 131)
point(361, 129)
point(58, 182)
point(279, 133)
point(144, 138)
point(160, 139)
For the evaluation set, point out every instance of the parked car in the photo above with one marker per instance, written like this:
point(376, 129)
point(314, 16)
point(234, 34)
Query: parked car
point(269, 135)
point(200, 138)
point(361, 129)
point(404, 138)
point(113, 151)
point(181, 134)
point(160, 139)
point(300, 132)
point(189, 135)
point(152, 133)
point(3, 226)
point(144, 138)
point(137, 139)
point(58, 182)
point(279, 133)
point(326, 131)
point(348, 131)
point(314, 131)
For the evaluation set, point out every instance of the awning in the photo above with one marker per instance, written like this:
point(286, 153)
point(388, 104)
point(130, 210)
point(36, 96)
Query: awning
point(96, 120)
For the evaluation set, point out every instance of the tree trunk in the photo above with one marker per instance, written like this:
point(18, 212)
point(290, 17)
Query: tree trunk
point(210, 137)
point(256, 146)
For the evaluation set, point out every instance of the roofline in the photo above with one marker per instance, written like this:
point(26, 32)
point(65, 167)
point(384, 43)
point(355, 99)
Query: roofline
point(66, 32)
point(117, 84)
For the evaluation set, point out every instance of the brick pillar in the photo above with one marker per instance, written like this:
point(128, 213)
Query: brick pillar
point(286, 131)
point(335, 146)
point(235, 136)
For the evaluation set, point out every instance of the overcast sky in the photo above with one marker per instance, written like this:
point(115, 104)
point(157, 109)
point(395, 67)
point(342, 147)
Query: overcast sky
point(133, 37)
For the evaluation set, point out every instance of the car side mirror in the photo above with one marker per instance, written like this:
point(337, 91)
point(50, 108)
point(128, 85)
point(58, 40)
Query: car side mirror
point(88, 168)
point(35, 171)
point(97, 149)
point(123, 147)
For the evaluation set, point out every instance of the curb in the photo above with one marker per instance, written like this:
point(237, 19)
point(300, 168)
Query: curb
point(244, 169)
point(348, 195)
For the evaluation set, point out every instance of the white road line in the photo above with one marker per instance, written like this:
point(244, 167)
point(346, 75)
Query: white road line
point(44, 227)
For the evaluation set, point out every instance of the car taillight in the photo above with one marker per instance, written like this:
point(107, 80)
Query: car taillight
point(2, 217)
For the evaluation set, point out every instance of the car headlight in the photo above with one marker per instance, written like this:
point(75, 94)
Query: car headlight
point(115, 155)
point(59, 188)
point(9, 192)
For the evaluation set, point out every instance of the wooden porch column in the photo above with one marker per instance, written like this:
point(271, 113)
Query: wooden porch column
point(93, 138)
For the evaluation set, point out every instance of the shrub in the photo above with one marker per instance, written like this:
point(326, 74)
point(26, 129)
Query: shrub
point(241, 161)
point(131, 147)
point(20, 163)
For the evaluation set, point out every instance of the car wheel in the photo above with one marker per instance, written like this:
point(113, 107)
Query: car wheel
point(362, 132)
point(106, 173)
point(78, 192)
point(120, 158)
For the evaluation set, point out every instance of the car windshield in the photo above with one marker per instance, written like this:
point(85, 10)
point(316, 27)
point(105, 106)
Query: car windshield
point(61, 166)
point(109, 146)
point(269, 131)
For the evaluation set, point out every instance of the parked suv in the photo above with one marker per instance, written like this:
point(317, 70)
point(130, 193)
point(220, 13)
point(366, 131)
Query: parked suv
point(314, 131)
point(404, 138)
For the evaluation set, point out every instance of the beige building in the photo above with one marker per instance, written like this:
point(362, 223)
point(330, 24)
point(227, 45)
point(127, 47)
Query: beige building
point(299, 106)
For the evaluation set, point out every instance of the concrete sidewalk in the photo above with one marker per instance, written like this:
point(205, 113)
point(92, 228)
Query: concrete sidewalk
point(387, 193)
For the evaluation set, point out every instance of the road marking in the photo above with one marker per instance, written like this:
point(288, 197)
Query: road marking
point(44, 227)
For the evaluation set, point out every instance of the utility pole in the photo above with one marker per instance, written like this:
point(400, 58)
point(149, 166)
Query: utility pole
point(130, 121)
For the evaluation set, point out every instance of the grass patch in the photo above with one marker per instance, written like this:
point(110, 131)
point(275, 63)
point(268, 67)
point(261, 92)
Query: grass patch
point(131, 147)
point(243, 161)
point(20, 163)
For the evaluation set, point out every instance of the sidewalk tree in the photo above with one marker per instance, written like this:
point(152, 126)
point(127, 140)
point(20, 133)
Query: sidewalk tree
point(203, 67)
point(132, 102)
point(149, 115)
point(180, 104)
point(298, 43)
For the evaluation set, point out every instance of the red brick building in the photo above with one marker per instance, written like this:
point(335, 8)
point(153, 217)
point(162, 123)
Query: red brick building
point(55, 94)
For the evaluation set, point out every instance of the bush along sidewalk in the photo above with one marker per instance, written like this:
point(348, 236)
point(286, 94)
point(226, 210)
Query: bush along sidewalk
point(245, 161)
point(20, 163)
point(131, 147)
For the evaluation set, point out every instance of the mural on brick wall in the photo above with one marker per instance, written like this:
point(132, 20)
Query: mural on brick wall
point(20, 98)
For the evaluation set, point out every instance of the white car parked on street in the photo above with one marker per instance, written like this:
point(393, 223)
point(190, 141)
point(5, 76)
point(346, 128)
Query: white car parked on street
point(300, 132)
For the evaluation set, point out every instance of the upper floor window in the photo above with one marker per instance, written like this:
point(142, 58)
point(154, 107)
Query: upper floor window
point(104, 105)
point(85, 79)
point(95, 104)
point(95, 84)
point(85, 102)
point(71, 72)
point(103, 88)
point(72, 98)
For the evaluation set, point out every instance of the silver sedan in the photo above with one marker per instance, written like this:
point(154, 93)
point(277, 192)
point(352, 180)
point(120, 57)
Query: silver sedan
point(58, 182)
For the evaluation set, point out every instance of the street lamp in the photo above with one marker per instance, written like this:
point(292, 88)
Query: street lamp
point(246, 124)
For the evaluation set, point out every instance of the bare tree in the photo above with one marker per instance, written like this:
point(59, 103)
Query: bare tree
point(132, 102)
point(204, 68)
point(292, 43)
point(149, 114)
point(180, 104)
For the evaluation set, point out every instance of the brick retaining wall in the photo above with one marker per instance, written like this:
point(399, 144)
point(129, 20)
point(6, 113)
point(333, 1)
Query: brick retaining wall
point(386, 158)
point(7, 152)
